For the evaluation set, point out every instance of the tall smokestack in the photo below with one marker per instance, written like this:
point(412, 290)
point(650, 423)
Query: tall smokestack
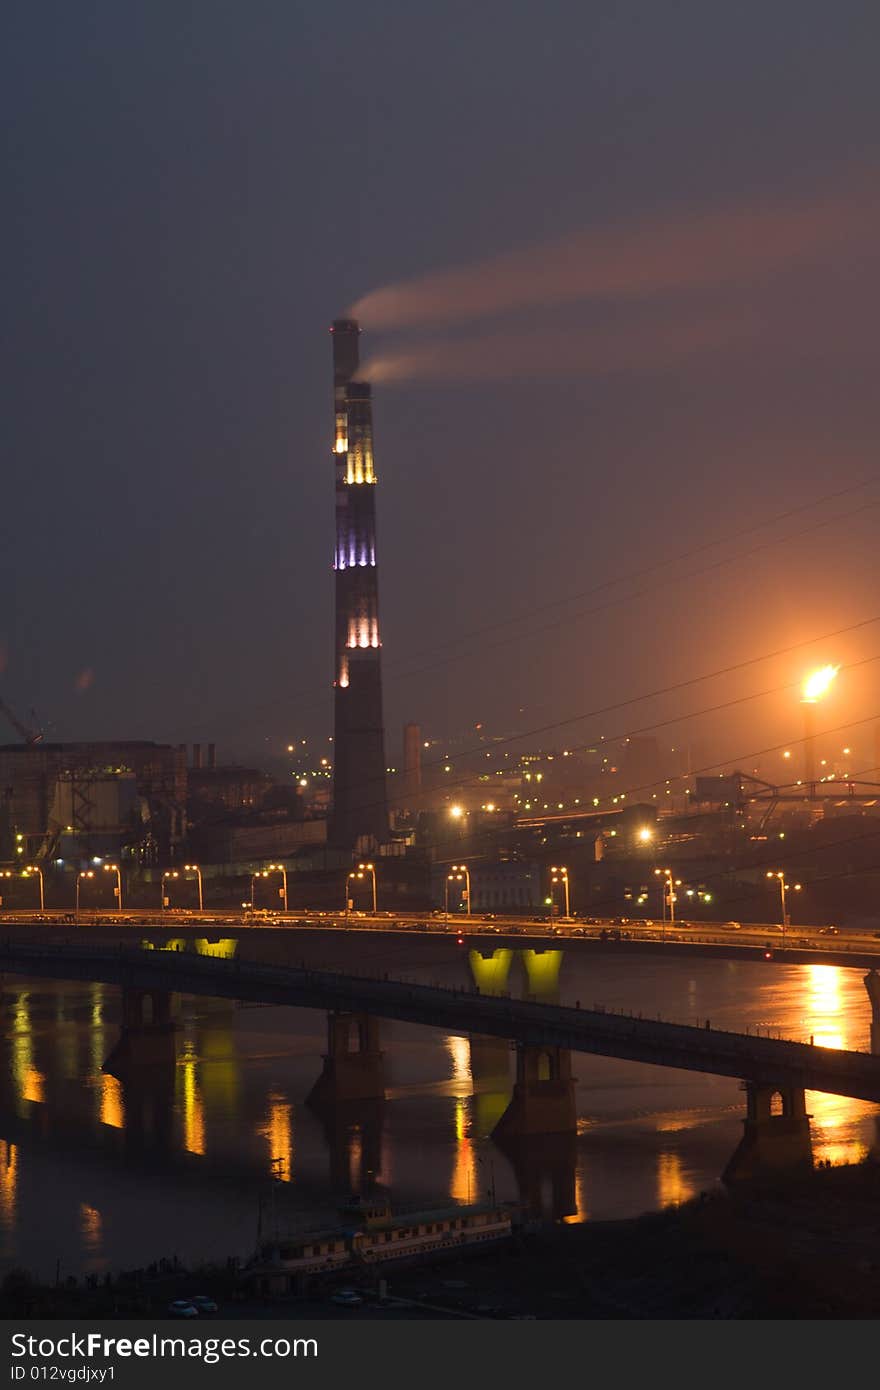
point(212, 755)
point(359, 796)
point(197, 755)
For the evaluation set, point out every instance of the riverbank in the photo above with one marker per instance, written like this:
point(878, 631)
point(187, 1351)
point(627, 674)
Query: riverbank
point(805, 1248)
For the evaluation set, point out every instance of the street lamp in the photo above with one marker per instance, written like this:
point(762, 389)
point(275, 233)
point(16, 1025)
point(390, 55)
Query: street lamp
point(261, 873)
point(668, 894)
point(563, 879)
point(348, 898)
point(459, 873)
point(369, 869)
point(194, 869)
point(814, 688)
point(280, 869)
point(84, 873)
point(783, 889)
point(117, 891)
point(35, 869)
point(169, 873)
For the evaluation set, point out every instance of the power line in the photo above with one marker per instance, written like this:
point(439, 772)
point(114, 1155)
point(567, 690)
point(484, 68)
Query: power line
point(394, 668)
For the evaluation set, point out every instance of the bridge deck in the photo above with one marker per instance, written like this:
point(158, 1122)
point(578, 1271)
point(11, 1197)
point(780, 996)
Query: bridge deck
point(763, 1060)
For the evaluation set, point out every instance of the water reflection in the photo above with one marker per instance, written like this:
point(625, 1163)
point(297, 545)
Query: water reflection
point(193, 1108)
point(91, 1234)
point(825, 1005)
point(646, 1137)
point(30, 1083)
point(278, 1131)
point(462, 1183)
point(672, 1185)
point(112, 1106)
point(8, 1184)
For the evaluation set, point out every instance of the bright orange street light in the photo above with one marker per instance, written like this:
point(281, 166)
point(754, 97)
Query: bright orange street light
point(815, 687)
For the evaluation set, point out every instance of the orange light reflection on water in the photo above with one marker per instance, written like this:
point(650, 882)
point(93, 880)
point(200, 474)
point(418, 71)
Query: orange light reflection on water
point(8, 1183)
point(834, 1118)
point(279, 1133)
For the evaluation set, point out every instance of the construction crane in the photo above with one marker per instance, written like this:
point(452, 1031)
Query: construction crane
point(30, 736)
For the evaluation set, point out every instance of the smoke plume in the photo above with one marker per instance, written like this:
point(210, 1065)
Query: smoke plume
point(698, 250)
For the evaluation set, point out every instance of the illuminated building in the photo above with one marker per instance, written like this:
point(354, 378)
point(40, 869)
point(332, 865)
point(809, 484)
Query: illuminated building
point(359, 796)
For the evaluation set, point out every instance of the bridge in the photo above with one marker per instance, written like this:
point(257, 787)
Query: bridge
point(764, 1061)
point(776, 1073)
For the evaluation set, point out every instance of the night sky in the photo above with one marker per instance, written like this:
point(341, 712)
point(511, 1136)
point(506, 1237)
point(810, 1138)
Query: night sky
point(622, 265)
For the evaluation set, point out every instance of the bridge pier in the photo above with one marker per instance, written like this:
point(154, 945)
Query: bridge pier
point(543, 1095)
point(544, 1167)
point(353, 1064)
point(147, 1035)
point(777, 1134)
point(872, 985)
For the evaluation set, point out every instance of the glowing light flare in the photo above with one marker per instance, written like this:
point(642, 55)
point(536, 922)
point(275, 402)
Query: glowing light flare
point(818, 683)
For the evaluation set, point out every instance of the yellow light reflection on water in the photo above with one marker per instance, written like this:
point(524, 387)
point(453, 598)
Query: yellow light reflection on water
point(834, 1118)
point(8, 1183)
point(459, 1050)
point(825, 1005)
point(463, 1180)
point(193, 1109)
point(29, 1082)
point(278, 1131)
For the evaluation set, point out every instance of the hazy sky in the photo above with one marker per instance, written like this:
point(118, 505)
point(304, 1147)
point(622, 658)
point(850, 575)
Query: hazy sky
point(639, 250)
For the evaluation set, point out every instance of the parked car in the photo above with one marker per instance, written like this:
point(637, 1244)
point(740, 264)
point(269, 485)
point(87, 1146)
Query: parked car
point(203, 1304)
point(182, 1308)
point(346, 1298)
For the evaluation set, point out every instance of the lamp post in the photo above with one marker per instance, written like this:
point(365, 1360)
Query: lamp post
point(35, 869)
point(463, 869)
point(815, 686)
point(560, 876)
point(459, 873)
point(280, 869)
point(369, 869)
point(169, 873)
point(348, 898)
point(194, 869)
point(117, 892)
point(83, 873)
point(261, 873)
point(668, 892)
point(784, 888)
